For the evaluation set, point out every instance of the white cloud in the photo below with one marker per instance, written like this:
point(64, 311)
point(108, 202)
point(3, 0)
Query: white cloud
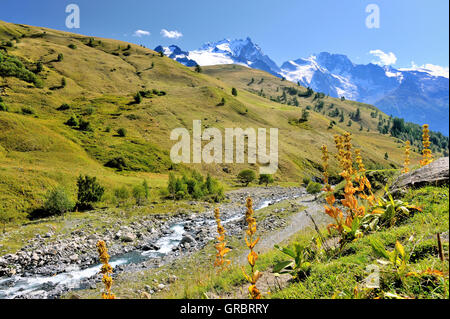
point(171, 34)
point(141, 33)
point(383, 57)
point(435, 70)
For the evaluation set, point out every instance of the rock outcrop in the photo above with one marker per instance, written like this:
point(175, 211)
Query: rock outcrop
point(436, 173)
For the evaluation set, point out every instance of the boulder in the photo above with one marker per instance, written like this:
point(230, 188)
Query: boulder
point(128, 237)
point(435, 173)
point(187, 238)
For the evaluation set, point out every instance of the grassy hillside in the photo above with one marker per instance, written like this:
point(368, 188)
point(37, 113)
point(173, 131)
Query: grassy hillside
point(98, 78)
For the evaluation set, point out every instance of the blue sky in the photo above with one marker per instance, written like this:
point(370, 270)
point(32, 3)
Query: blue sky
point(413, 30)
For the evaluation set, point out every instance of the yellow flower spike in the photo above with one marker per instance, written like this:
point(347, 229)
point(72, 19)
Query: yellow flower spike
point(220, 246)
point(252, 256)
point(407, 161)
point(356, 182)
point(427, 157)
point(106, 269)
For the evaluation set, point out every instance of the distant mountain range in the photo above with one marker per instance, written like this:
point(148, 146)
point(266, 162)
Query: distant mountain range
point(418, 95)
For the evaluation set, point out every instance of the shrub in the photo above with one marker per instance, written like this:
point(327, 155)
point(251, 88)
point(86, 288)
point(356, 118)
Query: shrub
point(73, 121)
point(195, 187)
point(138, 98)
point(305, 116)
point(198, 69)
point(121, 194)
point(72, 46)
point(122, 132)
point(234, 92)
point(89, 192)
point(3, 107)
point(246, 176)
point(85, 126)
point(7, 217)
point(27, 110)
point(39, 67)
point(306, 180)
point(12, 66)
point(117, 162)
point(57, 202)
point(63, 107)
point(60, 57)
point(265, 179)
point(141, 193)
point(313, 188)
point(63, 82)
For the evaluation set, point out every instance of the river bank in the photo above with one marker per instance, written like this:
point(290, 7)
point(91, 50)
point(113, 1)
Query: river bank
point(51, 265)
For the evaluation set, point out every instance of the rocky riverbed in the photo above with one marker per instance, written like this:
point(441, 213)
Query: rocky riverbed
point(54, 263)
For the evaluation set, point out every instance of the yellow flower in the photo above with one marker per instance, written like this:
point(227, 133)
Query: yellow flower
point(252, 256)
point(106, 269)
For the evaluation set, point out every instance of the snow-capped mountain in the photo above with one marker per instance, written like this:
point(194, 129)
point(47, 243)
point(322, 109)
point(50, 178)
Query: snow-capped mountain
point(174, 52)
point(417, 94)
point(243, 52)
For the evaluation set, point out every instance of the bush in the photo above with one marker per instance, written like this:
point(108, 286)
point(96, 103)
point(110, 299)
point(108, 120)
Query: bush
point(3, 107)
point(265, 179)
point(138, 98)
point(60, 57)
point(12, 66)
point(73, 121)
point(27, 110)
point(313, 188)
point(57, 202)
point(117, 162)
point(141, 193)
point(234, 92)
point(63, 107)
point(194, 187)
point(39, 67)
point(122, 132)
point(89, 192)
point(85, 126)
point(121, 194)
point(306, 180)
point(72, 46)
point(246, 176)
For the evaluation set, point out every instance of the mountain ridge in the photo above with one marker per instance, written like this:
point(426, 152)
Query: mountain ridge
point(409, 93)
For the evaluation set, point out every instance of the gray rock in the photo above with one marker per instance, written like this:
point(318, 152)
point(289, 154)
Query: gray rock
point(73, 258)
point(436, 173)
point(187, 238)
point(161, 286)
point(128, 237)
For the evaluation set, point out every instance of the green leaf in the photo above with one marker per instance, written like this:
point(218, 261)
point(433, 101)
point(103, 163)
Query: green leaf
point(281, 265)
point(379, 249)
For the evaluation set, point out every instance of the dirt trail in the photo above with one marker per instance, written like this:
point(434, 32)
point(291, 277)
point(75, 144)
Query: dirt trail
point(295, 222)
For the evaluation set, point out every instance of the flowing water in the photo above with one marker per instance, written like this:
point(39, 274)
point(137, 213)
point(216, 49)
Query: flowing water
point(73, 277)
